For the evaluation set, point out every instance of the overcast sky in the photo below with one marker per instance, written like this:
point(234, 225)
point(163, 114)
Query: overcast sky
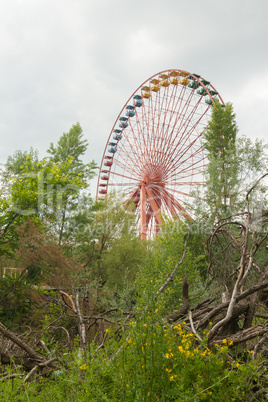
point(69, 61)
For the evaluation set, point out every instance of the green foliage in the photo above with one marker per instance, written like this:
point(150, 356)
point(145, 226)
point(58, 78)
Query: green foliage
point(221, 132)
point(46, 189)
point(70, 147)
point(152, 363)
point(164, 253)
point(104, 239)
point(15, 163)
point(235, 163)
point(15, 304)
point(121, 262)
point(220, 142)
point(71, 144)
point(143, 358)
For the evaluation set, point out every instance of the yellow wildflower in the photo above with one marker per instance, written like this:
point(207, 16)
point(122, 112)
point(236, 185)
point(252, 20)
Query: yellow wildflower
point(224, 341)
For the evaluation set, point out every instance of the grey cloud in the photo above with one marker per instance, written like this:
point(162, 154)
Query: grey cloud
point(68, 61)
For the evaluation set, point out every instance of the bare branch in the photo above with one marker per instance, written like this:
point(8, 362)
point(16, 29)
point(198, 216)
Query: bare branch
point(192, 326)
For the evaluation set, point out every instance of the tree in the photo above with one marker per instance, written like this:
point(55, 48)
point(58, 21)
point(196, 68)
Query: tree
point(71, 144)
point(70, 147)
point(46, 189)
point(15, 163)
point(220, 142)
point(234, 164)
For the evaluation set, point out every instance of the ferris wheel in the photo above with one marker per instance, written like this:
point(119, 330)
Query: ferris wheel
point(154, 153)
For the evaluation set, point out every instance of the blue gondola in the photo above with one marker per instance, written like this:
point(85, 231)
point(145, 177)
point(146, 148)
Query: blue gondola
point(117, 137)
point(117, 131)
point(112, 150)
point(124, 124)
point(130, 113)
point(113, 144)
point(137, 100)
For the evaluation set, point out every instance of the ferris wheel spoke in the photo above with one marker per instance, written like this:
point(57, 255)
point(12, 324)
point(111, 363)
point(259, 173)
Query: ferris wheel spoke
point(193, 168)
point(123, 165)
point(125, 177)
point(189, 148)
point(137, 140)
point(178, 206)
point(185, 136)
point(133, 196)
point(119, 185)
point(184, 175)
point(181, 193)
point(163, 132)
point(130, 155)
point(180, 117)
point(140, 138)
point(163, 116)
point(189, 158)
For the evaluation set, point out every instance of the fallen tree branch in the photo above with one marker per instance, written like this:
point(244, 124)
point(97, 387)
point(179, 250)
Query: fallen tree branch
point(193, 328)
point(24, 346)
point(243, 295)
point(29, 375)
point(10, 376)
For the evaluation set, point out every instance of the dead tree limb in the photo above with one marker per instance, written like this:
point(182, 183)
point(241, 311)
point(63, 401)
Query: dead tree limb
point(37, 357)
